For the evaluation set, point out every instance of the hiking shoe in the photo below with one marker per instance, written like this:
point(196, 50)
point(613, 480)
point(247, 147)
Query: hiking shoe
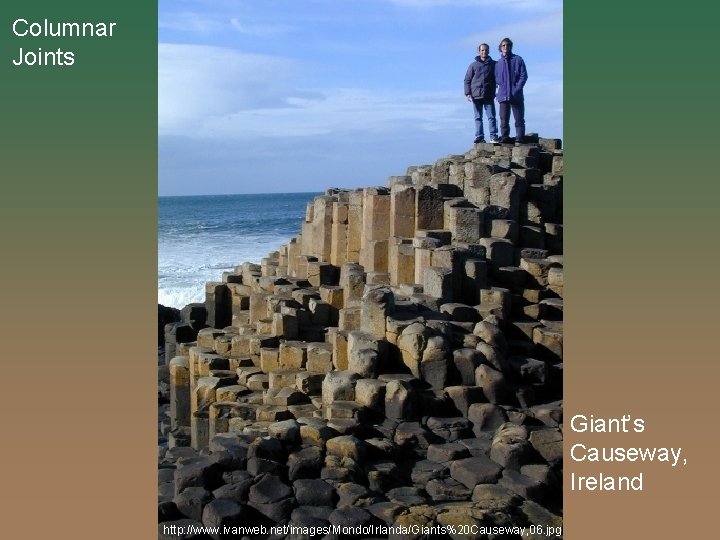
point(494, 140)
point(479, 140)
point(519, 140)
point(504, 140)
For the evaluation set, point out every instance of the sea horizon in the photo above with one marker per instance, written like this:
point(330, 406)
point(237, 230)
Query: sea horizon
point(240, 194)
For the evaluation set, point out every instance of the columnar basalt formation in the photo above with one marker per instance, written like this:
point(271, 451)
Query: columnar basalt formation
point(399, 362)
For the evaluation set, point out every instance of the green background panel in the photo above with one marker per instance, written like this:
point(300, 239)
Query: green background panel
point(78, 159)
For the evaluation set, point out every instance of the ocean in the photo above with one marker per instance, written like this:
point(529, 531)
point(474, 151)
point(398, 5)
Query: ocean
point(200, 237)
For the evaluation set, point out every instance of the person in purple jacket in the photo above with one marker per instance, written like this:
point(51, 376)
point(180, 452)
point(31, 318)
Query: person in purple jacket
point(480, 90)
point(510, 76)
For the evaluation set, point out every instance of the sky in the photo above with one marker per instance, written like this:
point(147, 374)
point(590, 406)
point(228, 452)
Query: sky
point(279, 96)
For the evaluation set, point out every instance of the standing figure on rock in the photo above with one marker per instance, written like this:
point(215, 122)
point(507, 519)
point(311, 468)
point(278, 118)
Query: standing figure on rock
point(511, 76)
point(480, 90)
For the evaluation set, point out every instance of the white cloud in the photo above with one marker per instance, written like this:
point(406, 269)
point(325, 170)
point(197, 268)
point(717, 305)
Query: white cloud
point(211, 24)
point(190, 22)
point(218, 92)
point(340, 110)
point(543, 31)
point(520, 5)
point(259, 30)
point(196, 82)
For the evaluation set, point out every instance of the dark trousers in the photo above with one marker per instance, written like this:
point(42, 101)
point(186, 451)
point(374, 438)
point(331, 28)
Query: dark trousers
point(518, 112)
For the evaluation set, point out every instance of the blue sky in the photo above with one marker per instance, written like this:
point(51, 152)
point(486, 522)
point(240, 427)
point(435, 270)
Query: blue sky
point(280, 96)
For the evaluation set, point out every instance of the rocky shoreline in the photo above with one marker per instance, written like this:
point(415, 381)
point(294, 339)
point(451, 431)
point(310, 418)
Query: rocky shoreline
point(396, 366)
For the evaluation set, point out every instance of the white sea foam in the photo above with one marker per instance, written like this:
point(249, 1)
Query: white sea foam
point(184, 268)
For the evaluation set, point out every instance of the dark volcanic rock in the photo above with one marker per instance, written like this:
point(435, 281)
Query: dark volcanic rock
point(494, 385)
point(346, 446)
point(197, 472)
point(272, 498)
point(257, 466)
point(315, 432)
point(447, 489)
point(267, 448)
point(529, 370)
point(466, 360)
point(413, 437)
point(195, 314)
point(237, 491)
point(475, 470)
point(534, 513)
point(449, 429)
point(400, 400)
point(229, 452)
point(166, 491)
point(387, 428)
point(510, 447)
point(407, 496)
point(192, 501)
point(382, 476)
point(166, 315)
point(380, 448)
point(231, 477)
point(435, 403)
point(222, 513)
point(228, 442)
point(494, 497)
point(279, 511)
point(351, 517)
point(350, 493)
point(314, 492)
point(338, 470)
point(425, 470)
point(463, 397)
point(305, 463)
point(386, 511)
point(168, 511)
point(549, 444)
point(435, 372)
point(550, 414)
point(311, 516)
point(442, 453)
point(525, 486)
point(486, 417)
point(269, 489)
point(478, 446)
point(166, 475)
point(287, 431)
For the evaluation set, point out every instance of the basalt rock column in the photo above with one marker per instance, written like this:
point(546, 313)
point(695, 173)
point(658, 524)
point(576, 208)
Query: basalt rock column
point(424, 248)
point(401, 261)
point(377, 304)
point(180, 392)
point(355, 225)
point(428, 208)
point(402, 210)
point(322, 227)
point(339, 246)
point(218, 304)
point(375, 229)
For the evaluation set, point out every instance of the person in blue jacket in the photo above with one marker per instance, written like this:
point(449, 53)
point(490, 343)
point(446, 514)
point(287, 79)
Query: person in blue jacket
point(511, 76)
point(480, 90)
